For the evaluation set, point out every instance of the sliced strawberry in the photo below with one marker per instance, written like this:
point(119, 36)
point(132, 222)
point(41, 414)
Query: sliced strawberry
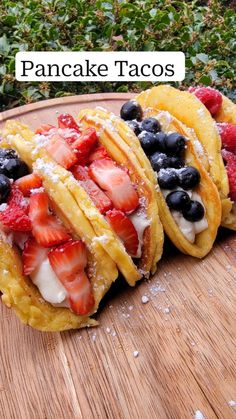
point(81, 294)
point(65, 120)
point(33, 254)
point(70, 135)
point(125, 229)
point(61, 152)
point(230, 160)
point(99, 198)
point(28, 182)
point(15, 216)
point(228, 136)
point(68, 262)
point(68, 259)
point(46, 228)
point(211, 98)
point(80, 172)
point(117, 184)
point(85, 144)
point(99, 153)
point(44, 129)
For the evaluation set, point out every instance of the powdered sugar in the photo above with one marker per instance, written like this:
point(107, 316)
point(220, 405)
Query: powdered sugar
point(199, 415)
point(37, 190)
point(201, 112)
point(3, 207)
point(165, 117)
point(145, 299)
point(198, 148)
point(48, 169)
point(101, 239)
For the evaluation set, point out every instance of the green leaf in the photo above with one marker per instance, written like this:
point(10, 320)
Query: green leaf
point(205, 79)
point(153, 12)
point(214, 75)
point(4, 45)
point(204, 31)
point(204, 58)
point(3, 70)
point(107, 6)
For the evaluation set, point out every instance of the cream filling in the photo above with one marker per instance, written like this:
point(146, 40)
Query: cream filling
point(140, 223)
point(49, 285)
point(188, 229)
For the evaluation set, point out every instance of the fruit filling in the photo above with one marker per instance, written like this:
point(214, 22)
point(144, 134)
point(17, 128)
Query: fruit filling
point(107, 183)
point(54, 261)
point(228, 138)
point(177, 181)
point(212, 99)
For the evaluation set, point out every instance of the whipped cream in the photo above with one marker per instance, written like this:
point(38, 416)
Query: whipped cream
point(188, 229)
point(140, 223)
point(49, 285)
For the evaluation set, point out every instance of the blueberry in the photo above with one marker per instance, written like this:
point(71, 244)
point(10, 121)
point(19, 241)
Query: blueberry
point(167, 179)
point(13, 168)
point(175, 143)
point(178, 200)
point(147, 141)
point(160, 139)
point(22, 170)
point(135, 126)
point(5, 188)
point(150, 125)
point(7, 153)
point(189, 177)
point(159, 161)
point(176, 162)
point(131, 110)
point(194, 212)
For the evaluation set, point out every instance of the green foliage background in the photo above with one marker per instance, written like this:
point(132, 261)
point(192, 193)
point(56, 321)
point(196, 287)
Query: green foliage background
point(204, 30)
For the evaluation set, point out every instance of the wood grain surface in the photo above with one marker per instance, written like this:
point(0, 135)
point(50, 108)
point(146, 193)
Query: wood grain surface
point(185, 335)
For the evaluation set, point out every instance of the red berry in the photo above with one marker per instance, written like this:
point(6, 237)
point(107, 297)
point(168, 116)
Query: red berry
point(211, 98)
point(33, 254)
point(85, 145)
point(15, 216)
point(230, 160)
point(65, 120)
point(28, 182)
point(68, 262)
point(99, 198)
point(228, 136)
point(80, 172)
point(117, 184)
point(99, 153)
point(125, 229)
point(44, 129)
point(46, 228)
point(61, 152)
point(70, 135)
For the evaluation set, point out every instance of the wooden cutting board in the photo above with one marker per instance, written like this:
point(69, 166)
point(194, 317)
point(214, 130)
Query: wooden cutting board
point(184, 335)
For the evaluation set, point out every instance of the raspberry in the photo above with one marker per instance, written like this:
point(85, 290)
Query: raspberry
point(230, 160)
point(211, 98)
point(15, 216)
point(228, 136)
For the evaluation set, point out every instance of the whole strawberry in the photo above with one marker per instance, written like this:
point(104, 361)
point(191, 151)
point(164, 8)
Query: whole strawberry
point(228, 136)
point(211, 98)
point(230, 160)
